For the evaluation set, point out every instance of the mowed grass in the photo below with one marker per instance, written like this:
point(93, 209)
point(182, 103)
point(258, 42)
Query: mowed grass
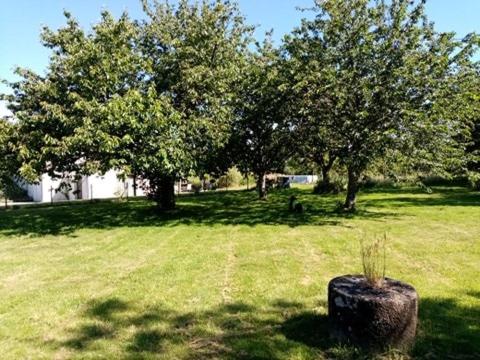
point(226, 276)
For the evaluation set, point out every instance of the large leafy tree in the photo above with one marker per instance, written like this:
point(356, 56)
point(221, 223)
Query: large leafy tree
point(150, 99)
point(316, 139)
point(62, 116)
point(473, 140)
point(382, 74)
point(8, 156)
point(195, 55)
point(262, 134)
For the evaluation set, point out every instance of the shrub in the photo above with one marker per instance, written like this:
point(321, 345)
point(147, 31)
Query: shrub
point(196, 183)
point(474, 180)
point(197, 186)
point(336, 185)
point(370, 182)
point(249, 179)
point(436, 180)
point(374, 261)
point(233, 177)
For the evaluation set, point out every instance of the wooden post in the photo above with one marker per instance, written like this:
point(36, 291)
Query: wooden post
point(51, 194)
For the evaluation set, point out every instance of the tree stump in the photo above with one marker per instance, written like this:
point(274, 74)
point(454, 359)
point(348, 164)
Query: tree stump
point(372, 318)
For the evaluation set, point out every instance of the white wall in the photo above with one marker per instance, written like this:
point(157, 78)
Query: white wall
point(34, 191)
point(140, 191)
point(303, 179)
point(103, 186)
point(44, 190)
point(99, 186)
point(50, 187)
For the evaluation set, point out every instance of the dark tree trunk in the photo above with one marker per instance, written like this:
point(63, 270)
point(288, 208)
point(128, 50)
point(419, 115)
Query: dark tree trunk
point(135, 185)
point(261, 187)
point(326, 167)
point(352, 188)
point(325, 175)
point(161, 189)
point(325, 186)
point(166, 200)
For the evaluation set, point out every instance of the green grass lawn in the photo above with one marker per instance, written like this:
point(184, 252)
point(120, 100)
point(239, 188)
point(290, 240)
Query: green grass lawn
point(227, 276)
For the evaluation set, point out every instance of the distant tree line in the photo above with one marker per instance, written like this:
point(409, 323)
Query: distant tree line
point(188, 91)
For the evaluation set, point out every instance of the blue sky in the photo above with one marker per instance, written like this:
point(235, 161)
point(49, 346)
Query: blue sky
point(21, 21)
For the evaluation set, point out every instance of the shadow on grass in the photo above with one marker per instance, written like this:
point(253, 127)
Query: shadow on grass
point(229, 331)
point(226, 208)
point(280, 329)
point(448, 330)
point(439, 197)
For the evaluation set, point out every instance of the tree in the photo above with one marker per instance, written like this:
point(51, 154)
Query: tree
point(472, 150)
point(315, 134)
point(195, 55)
point(382, 73)
point(150, 99)
point(62, 116)
point(8, 157)
point(262, 133)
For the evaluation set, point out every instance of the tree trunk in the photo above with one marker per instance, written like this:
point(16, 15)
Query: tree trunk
point(261, 187)
point(161, 189)
point(326, 167)
point(135, 185)
point(325, 163)
point(326, 176)
point(352, 188)
point(166, 199)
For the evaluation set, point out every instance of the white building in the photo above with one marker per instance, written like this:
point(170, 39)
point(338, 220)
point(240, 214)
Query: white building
point(88, 187)
point(303, 179)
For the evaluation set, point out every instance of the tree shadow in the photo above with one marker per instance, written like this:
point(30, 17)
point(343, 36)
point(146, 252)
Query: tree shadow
point(448, 330)
point(228, 331)
point(308, 328)
point(277, 329)
point(225, 208)
point(439, 197)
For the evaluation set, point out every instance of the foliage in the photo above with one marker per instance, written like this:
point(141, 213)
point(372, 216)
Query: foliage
point(297, 165)
point(197, 187)
point(381, 78)
point(472, 150)
point(247, 179)
point(232, 178)
point(334, 185)
point(374, 261)
point(261, 136)
point(11, 190)
point(151, 98)
point(8, 159)
point(474, 179)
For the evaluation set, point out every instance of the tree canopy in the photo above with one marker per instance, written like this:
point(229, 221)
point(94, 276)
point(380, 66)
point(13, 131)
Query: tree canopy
point(184, 92)
point(262, 133)
point(378, 74)
point(148, 98)
point(8, 156)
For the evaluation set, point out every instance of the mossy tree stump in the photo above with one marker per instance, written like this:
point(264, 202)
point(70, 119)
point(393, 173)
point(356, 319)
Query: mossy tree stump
point(372, 318)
